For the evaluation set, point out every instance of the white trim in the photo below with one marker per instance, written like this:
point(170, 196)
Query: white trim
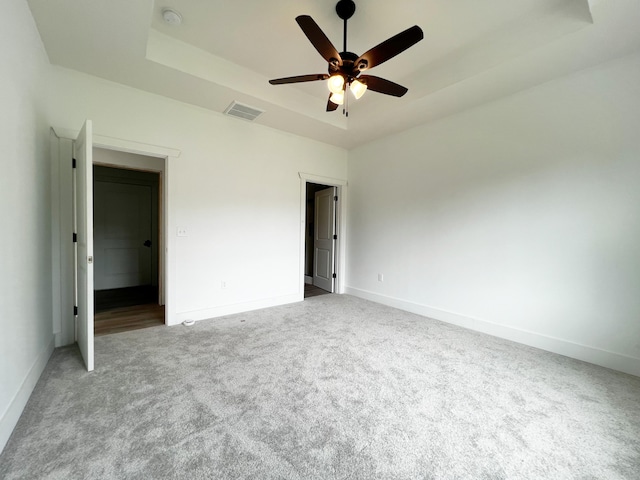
point(604, 358)
point(341, 220)
point(12, 414)
point(63, 290)
point(231, 309)
point(166, 242)
point(308, 280)
point(56, 247)
point(309, 177)
point(121, 145)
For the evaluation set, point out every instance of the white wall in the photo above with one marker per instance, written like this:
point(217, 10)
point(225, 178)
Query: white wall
point(26, 339)
point(235, 188)
point(520, 218)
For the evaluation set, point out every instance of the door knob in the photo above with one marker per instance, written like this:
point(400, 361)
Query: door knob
point(147, 243)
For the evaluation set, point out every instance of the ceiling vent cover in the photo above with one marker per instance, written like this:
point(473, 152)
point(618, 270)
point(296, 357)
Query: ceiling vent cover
point(245, 112)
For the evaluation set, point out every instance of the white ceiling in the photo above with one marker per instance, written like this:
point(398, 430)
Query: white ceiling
point(473, 52)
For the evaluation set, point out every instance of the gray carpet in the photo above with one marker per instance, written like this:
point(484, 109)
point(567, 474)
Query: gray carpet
point(334, 387)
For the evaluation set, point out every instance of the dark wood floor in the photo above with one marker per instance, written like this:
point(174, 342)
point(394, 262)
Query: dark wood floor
point(313, 291)
point(122, 309)
point(123, 319)
point(117, 314)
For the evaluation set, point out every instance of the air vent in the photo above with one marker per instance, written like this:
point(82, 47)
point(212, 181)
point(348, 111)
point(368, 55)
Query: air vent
point(243, 111)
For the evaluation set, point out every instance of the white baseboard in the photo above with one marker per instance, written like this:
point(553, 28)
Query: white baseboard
point(236, 308)
point(604, 358)
point(308, 280)
point(12, 414)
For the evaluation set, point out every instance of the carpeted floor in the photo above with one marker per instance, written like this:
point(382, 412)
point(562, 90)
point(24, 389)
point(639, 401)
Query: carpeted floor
point(331, 388)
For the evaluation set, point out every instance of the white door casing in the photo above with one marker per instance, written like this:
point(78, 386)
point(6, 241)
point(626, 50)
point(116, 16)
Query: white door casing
point(165, 156)
point(83, 149)
point(122, 224)
point(323, 239)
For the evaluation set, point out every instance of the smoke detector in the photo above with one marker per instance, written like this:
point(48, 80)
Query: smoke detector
point(171, 17)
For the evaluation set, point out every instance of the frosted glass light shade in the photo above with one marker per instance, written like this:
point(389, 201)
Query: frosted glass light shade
point(337, 98)
point(336, 84)
point(358, 88)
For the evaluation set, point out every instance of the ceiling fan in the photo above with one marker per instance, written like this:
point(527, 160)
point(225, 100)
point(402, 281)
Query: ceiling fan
point(345, 68)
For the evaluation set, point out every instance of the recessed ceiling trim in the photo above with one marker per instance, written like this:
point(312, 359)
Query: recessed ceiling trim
point(177, 55)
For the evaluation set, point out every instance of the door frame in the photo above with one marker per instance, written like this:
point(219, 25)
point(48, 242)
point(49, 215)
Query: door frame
point(341, 223)
point(166, 267)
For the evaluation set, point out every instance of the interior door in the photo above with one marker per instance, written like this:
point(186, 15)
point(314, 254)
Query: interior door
point(323, 239)
point(82, 150)
point(122, 235)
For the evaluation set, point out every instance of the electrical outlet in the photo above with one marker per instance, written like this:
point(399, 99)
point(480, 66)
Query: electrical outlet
point(380, 277)
point(223, 284)
point(182, 232)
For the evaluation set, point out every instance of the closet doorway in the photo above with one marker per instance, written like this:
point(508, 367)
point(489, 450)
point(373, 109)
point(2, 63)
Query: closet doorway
point(127, 225)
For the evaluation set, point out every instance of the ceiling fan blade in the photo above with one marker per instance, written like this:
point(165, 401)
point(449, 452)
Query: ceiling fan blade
point(390, 47)
point(299, 79)
point(319, 40)
point(381, 85)
point(330, 105)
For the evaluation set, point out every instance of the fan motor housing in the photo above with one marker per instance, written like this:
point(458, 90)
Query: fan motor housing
point(348, 69)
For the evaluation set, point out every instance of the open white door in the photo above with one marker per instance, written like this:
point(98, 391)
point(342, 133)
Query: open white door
point(324, 239)
point(82, 150)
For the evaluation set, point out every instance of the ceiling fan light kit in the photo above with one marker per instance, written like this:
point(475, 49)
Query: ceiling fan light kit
point(357, 88)
point(337, 98)
point(335, 83)
point(345, 68)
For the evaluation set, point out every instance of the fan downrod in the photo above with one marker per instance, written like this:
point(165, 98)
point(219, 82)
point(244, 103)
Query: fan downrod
point(345, 9)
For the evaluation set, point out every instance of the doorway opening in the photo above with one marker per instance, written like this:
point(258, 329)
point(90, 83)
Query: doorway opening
point(127, 211)
point(320, 239)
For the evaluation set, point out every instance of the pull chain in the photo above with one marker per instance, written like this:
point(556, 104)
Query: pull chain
point(345, 110)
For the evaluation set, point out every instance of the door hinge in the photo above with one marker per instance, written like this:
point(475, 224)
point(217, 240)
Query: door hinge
point(75, 310)
point(335, 237)
point(334, 275)
point(73, 163)
point(75, 237)
point(335, 199)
